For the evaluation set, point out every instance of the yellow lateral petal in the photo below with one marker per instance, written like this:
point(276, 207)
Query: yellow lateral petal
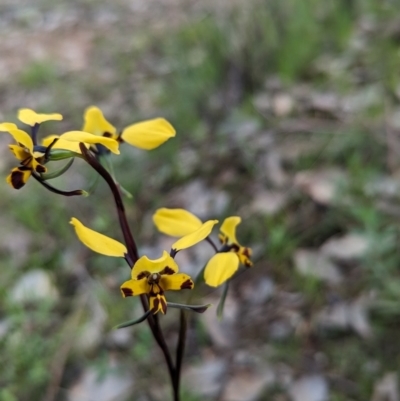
point(96, 124)
point(98, 242)
point(18, 177)
point(62, 144)
point(144, 264)
point(221, 267)
point(30, 117)
point(177, 281)
point(23, 138)
point(135, 287)
point(85, 137)
point(176, 222)
point(195, 237)
point(5, 127)
point(19, 152)
point(148, 134)
point(228, 228)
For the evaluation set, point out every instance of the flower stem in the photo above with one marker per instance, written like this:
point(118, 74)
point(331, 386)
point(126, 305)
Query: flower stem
point(130, 242)
point(134, 256)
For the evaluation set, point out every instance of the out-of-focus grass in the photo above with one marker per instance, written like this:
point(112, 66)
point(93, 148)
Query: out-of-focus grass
point(199, 75)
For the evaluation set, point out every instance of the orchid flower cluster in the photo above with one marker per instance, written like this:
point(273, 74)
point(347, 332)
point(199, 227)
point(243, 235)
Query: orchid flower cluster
point(150, 279)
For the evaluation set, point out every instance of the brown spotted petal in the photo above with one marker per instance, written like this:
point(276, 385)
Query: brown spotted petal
point(158, 303)
point(179, 281)
point(19, 176)
point(135, 287)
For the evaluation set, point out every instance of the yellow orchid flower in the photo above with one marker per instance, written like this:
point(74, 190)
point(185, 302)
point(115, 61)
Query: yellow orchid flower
point(30, 160)
point(151, 277)
point(222, 266)
point(154, 277)
point(146, 135)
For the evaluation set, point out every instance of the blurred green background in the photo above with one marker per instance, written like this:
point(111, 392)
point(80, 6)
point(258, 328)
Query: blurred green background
point(287, 114)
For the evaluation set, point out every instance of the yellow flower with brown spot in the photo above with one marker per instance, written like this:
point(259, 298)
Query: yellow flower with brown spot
point(151, 277)
point(147, 135)
point(30, 160)
point(154, 277)
point(223, 265)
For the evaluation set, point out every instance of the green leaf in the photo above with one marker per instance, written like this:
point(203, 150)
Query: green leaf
point(221, 304)
point(133, 322)
point(193, 308)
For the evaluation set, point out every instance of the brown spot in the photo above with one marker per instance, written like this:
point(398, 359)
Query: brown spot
point(246, 252)
point(17, 179)
point(26, 162)
point(127, 292)
point(108, 134)
point(163, 305)
point(187, 285)
point(235, 247)
point(142, 275)
point(40, 168)
point(155, 290)
point(156, 303)
point(167, 270)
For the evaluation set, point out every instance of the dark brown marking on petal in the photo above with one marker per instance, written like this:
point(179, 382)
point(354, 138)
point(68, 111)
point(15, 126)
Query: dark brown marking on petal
point(187, 285)
point(163, 305)
point(155, 290)
point(17, 179)
point(26, 162)
point(40, 169)
point(127, 291)
point(223, 239)
point(156, 303)
point(248, 263)
point(142, 275)
point(246, 252)
point(108, 134)
point(235, 247)
point(167, 270)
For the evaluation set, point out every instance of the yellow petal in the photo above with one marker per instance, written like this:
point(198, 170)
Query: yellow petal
point(148, 134)
point(85, 137)
point(228, 228)
point(177, 281)
point(158, 303)
point(62, 144)
point(195, 237)
point(176, 222)
point(96, 124)
point(98, 242)
point(135, 287)
point(30, 117)
point(220, 268)
point(23, 138)
point(6, 127)
point(144, 264)
point(18, 177)
point(19, 152)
